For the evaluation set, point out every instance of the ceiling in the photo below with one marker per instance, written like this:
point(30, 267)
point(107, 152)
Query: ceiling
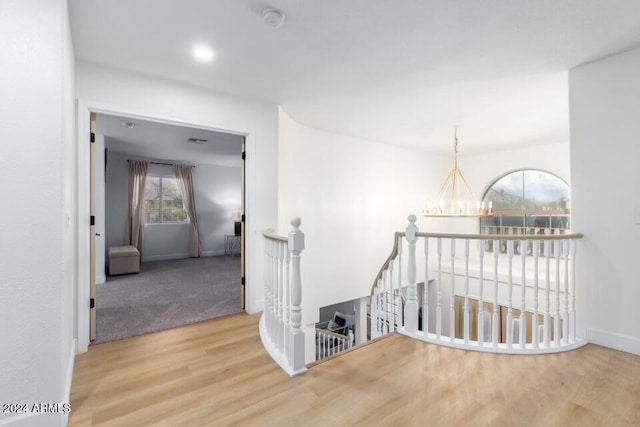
point(402, 72)
point(168, 142)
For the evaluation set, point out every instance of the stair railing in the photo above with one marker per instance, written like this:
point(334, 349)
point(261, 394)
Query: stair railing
point(281, 321)
point(522, 300)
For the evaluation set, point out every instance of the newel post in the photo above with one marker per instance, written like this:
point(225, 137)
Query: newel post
point(295, 352)
point(411, 306)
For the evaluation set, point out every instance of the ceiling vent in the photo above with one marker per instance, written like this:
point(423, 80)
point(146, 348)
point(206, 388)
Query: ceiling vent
point(198, 141)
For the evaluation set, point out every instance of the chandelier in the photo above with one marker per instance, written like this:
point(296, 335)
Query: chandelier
point(456, 198)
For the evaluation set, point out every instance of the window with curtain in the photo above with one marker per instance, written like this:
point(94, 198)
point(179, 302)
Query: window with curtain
point(163, 201)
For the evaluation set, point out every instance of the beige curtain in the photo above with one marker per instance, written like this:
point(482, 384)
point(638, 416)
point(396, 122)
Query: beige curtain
point(135, 216)
point(184, 173)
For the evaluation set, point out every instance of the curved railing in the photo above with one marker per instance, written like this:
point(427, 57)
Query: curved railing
point(281, 321)
point(519, 300)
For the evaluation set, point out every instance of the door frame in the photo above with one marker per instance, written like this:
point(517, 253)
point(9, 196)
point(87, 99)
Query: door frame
point(85, 108)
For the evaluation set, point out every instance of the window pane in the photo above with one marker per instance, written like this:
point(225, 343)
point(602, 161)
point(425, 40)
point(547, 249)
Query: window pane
point(172, 207)
point(544, 191)
point(152, 200)
point(528, 199)
point(507, 193)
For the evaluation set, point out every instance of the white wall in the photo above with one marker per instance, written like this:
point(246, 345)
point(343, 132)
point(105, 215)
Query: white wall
point(137, 95)
point(605, 173)
point(217, 191)
point(37, 228)
point(352, 195)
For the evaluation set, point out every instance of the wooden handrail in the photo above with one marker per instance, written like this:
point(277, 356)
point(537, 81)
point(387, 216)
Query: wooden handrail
point(391, 257)
point(271, 234)
point(502, 236)
point(394, 251)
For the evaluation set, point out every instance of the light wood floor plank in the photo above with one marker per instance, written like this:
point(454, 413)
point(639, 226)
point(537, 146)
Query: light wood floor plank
point(216, 373)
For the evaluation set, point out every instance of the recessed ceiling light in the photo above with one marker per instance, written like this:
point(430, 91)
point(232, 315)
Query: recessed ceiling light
point(128, 125)
point(202, 53)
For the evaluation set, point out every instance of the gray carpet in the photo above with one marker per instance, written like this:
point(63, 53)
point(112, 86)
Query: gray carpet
point(167, 294)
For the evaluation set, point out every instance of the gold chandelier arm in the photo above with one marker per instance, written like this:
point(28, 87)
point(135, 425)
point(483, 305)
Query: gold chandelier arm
point(469, 192)
point(446, 185)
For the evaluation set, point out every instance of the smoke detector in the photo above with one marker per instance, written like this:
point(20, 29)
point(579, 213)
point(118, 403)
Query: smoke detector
point(273, 17)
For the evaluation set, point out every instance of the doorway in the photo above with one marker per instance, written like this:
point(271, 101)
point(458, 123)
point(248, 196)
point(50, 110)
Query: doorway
point(83, 320)
point(171, 286)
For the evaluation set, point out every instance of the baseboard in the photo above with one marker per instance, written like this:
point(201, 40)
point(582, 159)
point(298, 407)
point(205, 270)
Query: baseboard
point(179, 256)
point(33, 420)
point(101, 280)
point(165, 257)
point(66, 398)
point(614, 340)
point(212, 253)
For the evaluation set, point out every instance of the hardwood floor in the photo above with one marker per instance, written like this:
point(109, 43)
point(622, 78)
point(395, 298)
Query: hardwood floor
point(216, 373)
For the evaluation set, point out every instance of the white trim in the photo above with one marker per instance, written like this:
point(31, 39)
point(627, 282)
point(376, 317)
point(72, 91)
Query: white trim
point(66, 397)
point(218, 252)
point(251, 233)
point(101, 280)
point(167, 257)
point(23, 420)
point(85, 108)
point(614, 340)
point(35, 419)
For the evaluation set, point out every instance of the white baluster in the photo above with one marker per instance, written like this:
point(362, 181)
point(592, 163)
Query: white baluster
point(481, 316)
point(383, 310)
point(572, 317)
point(297, 344)
point(558, 320)
point(376, 323)
point(452, 294)
point(547, 320)
point(274, 295)
point(268, 297)
point(466, 292)
point(411, 305)
point(439, 292)
point(425, 292)
point(287, 298)
point(523, 318)
point(267, 263)
point(534, 319)
point(496, 309)
point(386, 316)
point(400, 243)
point(565, 315)
point(510, 295)
point(395, 304)
point(279, 293)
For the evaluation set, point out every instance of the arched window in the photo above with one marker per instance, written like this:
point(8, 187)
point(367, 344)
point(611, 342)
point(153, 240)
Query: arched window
point(527, 201)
